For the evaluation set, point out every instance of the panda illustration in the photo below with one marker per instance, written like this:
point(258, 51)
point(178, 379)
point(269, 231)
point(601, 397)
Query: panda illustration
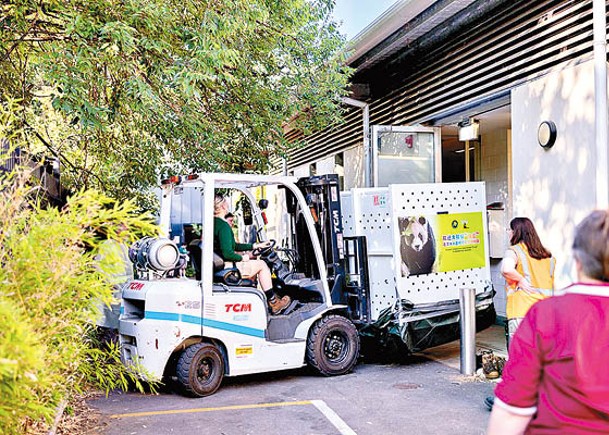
point(417, 246)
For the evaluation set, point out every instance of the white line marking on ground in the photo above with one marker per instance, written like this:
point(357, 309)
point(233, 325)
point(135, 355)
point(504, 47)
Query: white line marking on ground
point(333, 417)
point(321, 406)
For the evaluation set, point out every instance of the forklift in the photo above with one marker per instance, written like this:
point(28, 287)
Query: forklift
point(194, 332)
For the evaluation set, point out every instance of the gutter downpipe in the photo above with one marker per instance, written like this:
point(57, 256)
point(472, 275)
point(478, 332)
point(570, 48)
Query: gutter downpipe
point(601, 118)
point(367, 150)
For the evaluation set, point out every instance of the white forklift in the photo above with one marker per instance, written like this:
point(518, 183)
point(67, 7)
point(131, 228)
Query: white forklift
point(197, 331)
point(392, 278)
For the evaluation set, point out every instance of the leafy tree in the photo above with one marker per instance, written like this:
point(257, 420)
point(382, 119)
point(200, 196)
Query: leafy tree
point(122, 92)
point(52, 283)
point(125, 91)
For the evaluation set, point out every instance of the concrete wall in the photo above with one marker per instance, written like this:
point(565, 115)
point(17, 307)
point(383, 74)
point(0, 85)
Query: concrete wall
point(354, 167)
point(326, 166)
point(495, 172)
point(494, 164)
point(555, 188)
point(302, 171)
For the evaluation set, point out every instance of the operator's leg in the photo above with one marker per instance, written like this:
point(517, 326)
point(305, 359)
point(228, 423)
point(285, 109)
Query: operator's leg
point(260, 269)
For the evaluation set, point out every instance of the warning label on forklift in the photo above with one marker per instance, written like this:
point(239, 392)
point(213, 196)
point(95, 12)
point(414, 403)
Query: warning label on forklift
point(244, 351)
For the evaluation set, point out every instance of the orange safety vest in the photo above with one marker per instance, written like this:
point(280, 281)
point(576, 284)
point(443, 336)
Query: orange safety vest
point(540, 273)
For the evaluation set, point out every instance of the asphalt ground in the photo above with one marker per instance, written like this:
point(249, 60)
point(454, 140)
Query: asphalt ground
point(425, 394)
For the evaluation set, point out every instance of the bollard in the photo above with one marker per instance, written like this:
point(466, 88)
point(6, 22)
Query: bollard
point(467, 311)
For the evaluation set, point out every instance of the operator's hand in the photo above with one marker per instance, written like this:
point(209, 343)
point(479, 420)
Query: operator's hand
point(262, 245)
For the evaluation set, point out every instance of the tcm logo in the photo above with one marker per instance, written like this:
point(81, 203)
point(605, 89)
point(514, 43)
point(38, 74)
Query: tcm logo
point(238, 308)
point(136, 286)
point(335, 221)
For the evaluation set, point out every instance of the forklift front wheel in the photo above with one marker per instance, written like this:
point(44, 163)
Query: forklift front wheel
point(333, 345)
point(200, 369)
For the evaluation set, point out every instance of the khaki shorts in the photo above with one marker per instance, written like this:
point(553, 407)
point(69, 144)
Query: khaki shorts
point(247, 268)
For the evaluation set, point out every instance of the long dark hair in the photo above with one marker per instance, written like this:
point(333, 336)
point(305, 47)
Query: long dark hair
point(524, 231)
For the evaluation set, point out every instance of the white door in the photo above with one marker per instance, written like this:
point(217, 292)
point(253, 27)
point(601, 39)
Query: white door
point(404, 155)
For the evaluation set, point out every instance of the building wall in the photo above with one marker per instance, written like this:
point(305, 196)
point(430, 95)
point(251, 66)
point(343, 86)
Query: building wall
point(464, 62)
point(354, 167)
point(325, 166)
point(494, 171)
point(301, 171)
point(555, 188)
point(494, 165)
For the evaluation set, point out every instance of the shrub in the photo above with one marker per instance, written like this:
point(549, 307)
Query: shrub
point(50, 285)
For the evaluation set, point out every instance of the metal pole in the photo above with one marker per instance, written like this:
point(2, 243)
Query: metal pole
point(600, 102)
point(467, 162)
point(367, 145)
point(467, 311)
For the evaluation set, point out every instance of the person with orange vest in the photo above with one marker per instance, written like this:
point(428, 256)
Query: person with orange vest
point(528, 268)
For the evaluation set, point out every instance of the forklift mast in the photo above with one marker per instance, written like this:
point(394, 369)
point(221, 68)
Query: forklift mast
point(323, 198)
point(345, 259)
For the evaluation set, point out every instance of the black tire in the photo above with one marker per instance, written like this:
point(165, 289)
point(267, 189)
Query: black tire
point(333, 345)
point(200, 369)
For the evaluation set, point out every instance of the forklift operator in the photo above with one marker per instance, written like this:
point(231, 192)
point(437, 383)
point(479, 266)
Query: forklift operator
point(225, 246)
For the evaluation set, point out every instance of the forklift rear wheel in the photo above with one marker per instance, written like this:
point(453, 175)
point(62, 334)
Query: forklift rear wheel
point(200, 369)
point(333, 345)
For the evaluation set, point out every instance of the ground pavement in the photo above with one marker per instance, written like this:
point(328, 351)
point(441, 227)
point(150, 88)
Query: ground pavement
point(424, 395)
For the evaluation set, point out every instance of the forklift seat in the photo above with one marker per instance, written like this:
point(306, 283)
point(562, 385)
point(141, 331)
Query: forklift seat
point(231, 275)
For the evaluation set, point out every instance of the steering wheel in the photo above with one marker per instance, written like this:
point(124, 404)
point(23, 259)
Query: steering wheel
point(266, 250)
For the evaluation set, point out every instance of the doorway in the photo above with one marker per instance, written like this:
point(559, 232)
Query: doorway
point(490, 161)
point(488, 154)
point(453, 157)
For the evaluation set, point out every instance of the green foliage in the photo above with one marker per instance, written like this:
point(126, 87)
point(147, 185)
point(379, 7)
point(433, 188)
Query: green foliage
point(20, 360)
point(50, 282)
point(127, 91)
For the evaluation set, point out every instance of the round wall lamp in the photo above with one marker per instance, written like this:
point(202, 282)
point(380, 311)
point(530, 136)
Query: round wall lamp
point(546, 134)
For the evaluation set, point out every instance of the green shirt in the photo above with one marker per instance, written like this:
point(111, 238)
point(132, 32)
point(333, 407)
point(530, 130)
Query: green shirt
point(224, 241)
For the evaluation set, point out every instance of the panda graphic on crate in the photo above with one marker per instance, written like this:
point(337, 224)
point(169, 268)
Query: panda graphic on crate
point(417, 246)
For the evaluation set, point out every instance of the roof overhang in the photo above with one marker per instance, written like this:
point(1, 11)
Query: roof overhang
point(398, 26)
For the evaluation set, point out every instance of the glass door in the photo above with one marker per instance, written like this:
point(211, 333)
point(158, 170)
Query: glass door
point(405, 155)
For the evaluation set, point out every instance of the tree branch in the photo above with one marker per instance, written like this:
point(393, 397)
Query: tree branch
point(64, 159)
point(20, 40)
